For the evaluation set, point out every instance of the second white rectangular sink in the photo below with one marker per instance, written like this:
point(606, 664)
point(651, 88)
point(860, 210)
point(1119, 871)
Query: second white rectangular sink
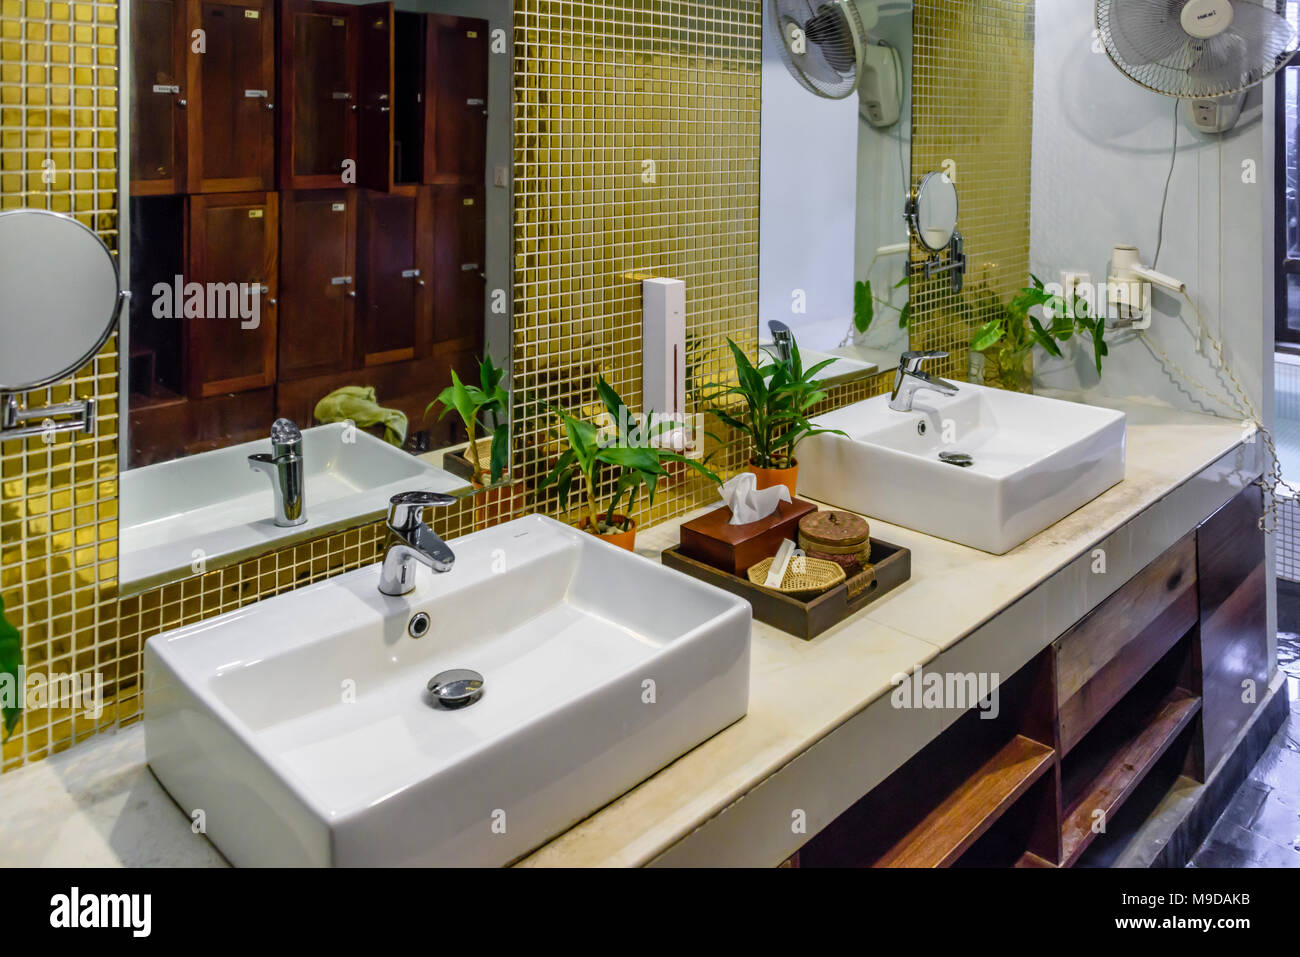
point(302, 728)
point(1030, 462)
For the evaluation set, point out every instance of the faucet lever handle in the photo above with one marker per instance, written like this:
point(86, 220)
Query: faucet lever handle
point(911, 361)
point(406, 509)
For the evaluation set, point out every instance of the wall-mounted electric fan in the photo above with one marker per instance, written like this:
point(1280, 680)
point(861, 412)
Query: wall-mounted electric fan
point(1207, 52)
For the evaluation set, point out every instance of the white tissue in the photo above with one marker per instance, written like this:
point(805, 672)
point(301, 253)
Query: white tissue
point(747, 502)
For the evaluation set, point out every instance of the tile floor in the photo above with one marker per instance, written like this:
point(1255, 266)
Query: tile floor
point(1261, 826)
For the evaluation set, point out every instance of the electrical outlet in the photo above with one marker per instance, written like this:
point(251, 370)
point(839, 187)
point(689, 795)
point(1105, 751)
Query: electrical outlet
point(500, 176)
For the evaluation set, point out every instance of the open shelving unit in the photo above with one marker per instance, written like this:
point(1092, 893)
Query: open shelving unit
point(1077, 731)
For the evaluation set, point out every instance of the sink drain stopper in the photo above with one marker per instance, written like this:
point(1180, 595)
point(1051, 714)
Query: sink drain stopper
point(457, 687)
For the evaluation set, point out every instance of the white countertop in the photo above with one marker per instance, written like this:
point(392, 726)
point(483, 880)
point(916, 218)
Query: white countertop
point(98, 804)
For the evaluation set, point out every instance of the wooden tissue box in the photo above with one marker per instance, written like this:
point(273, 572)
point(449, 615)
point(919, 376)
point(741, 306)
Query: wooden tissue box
point(733, 548)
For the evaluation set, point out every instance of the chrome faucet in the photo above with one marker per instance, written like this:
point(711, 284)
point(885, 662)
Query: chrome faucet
point(781, 339)
point(284, 468)
point(910, 380)
point(410, 541)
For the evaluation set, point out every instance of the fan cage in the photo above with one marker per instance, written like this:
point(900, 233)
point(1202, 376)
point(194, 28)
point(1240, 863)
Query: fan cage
point(1178, 81)
point(800, 12)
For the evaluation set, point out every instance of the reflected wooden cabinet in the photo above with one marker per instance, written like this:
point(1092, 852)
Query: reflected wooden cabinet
point(375, 117)
point(375, 279)
point(158, 103)
point(455, 89)
point(318, 92)
point(318, 281)
point(203, 97)
point(459, 282)
point(394, 256)
point(232, 97)
point(233, 240)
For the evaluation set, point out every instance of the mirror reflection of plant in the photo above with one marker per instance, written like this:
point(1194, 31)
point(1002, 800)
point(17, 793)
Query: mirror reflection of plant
point(865, 303)
point(486, 399)
point(11, 660)
point(1011, 326)
point(630, 450)
point(776, 397)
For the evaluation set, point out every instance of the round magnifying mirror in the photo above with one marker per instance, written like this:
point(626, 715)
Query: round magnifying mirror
point(59, 285)
point(934, 211)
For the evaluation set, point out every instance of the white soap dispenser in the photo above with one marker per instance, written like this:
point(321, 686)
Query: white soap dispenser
point(663, 355)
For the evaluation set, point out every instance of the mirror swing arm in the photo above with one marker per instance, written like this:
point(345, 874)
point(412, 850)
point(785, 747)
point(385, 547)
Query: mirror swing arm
point(13, 417)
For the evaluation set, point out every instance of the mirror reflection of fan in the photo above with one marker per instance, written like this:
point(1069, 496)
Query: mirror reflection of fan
point(1208, 52)
point(826, 45)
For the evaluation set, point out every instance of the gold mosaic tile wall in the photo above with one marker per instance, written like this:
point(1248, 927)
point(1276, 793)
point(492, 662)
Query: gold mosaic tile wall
point(58, 498)
point(972, 116)
point(636, 153)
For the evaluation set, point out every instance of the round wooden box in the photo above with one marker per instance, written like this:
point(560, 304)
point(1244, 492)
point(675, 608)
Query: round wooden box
point(840, 537)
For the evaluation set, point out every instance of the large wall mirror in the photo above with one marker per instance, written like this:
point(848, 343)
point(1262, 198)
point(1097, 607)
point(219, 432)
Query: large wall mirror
point(319, 210)
point(836, 173)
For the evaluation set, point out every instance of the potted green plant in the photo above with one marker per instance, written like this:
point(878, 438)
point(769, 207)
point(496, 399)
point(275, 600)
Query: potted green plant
point(775, 397)
point(628, 448)
point(11, 661)
point(1006, 333)
point(487, 405)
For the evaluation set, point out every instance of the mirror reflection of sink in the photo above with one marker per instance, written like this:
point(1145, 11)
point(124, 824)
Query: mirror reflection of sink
point(844, 367)
point(212, 505)
point(302, 727)
point(1032, 461)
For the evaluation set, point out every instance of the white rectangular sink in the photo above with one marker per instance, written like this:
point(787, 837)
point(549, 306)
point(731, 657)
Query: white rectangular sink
point(1034, 460)
point(214, 507)
point(302, 729)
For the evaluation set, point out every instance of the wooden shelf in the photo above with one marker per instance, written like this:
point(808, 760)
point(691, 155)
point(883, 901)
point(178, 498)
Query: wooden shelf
point(1030, 859)
point(1127, 765)
point(969, 811)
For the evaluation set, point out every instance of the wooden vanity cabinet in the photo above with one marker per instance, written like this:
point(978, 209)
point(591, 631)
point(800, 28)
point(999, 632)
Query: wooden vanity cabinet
point(1233, 607)
point(394, 253)
point(158, 99)
point(318, 93)
point(233, 238)
point(231, 112)
point(318, 285)
point(1145, 693)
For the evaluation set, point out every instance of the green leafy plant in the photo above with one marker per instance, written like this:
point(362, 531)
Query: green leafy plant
point(1013, 327)
point(11, 661)
point(487, 404)
point(776, 397)
point(628, 448)
point(865, 303)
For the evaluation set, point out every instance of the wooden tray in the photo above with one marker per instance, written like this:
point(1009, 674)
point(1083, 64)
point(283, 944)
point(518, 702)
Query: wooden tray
point(806, 618)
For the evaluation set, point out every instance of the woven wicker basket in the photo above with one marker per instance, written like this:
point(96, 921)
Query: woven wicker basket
point(803, 576)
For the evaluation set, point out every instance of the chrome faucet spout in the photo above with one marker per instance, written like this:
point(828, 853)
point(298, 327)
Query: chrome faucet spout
point(411, 542)
point(910, 379)
point(284, 467)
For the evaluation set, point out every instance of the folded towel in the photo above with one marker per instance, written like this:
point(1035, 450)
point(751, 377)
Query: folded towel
point(354, 403)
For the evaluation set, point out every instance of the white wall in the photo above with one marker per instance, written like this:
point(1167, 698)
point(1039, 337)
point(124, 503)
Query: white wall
point(1101, 154)
point(807, 202)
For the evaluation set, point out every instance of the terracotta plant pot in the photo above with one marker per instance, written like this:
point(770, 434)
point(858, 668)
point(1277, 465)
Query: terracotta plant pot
point(789, 477)
point(499, 504)
point(625, 540)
